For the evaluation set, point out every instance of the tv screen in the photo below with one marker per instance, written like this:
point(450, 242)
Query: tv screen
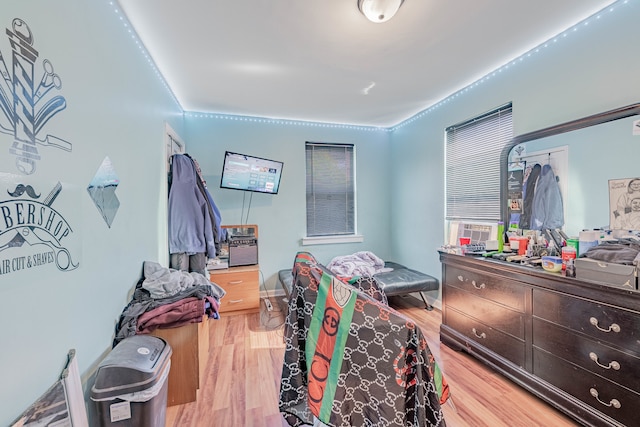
point(250, 173)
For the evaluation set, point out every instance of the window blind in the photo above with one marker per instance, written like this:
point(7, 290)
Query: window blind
point(472, 175)
point(330, 189)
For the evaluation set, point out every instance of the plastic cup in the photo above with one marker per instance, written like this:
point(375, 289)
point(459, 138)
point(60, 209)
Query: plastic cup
point(520, 243)
point(568, 252)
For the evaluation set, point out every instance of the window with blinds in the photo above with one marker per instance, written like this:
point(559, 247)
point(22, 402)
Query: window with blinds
point(330, 189)
point(472, 175)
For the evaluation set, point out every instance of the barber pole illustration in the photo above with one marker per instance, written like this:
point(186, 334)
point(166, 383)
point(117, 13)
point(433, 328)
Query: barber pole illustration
point(24, 103)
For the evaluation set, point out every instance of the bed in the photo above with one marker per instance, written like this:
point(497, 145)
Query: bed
point(400, 280)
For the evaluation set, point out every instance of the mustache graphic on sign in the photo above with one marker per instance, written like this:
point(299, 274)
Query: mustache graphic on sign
point(32, 232)
point(21, 189)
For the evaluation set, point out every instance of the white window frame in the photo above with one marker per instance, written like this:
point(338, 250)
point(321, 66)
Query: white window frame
point(353, 237)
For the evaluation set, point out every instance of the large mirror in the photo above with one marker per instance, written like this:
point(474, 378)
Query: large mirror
point(595, 159)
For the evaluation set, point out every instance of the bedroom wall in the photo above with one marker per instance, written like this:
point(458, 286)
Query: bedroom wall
point(591, 70)
point(281, 218)
point(115, 106)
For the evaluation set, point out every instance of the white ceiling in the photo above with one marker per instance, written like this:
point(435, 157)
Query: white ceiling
point(323, 61)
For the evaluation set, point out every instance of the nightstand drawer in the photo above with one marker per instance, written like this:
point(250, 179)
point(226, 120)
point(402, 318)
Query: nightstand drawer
point(230, 279)
point(242, 288)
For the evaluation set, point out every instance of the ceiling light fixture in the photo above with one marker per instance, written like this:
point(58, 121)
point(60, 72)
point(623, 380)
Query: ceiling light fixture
point(379, 11)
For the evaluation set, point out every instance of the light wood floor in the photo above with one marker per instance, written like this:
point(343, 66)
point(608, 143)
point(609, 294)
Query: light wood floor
point(242, 379)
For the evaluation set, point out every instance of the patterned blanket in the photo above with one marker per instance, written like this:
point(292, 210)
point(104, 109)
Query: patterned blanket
point(351, 360)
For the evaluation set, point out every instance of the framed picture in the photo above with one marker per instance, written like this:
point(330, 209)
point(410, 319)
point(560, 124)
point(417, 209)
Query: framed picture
point(624, 204)
point(514, 186)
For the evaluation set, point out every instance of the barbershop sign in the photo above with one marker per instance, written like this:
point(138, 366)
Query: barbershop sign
point(33, 233)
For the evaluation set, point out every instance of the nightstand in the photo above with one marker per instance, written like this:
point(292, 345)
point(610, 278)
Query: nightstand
point(242, 285)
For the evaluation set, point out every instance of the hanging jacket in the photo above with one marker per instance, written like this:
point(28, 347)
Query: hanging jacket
point(218, 236)
point(190, 221)
point(214, 212)
point(547, 212)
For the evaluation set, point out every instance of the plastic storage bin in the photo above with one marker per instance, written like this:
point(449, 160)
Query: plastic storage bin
point(130, 388)
point(618, 275)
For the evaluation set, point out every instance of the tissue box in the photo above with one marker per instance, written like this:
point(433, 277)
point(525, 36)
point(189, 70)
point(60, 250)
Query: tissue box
point(618, 275)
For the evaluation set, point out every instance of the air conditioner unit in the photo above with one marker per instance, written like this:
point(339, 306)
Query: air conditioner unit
point(478, 232)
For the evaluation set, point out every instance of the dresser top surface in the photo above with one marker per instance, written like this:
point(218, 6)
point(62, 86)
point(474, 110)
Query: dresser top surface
point(537, 277)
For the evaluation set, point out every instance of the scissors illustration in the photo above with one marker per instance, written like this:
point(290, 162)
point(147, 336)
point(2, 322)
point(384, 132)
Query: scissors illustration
point(62, 255)
point(56, 104)
point(49, 81)
point(32, 236)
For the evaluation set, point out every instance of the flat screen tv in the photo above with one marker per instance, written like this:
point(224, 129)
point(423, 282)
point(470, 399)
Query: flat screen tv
point(250, 173)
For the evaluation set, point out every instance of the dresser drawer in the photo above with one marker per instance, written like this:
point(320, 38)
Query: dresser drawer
point(229, 278)
point(603, 395)
point(242, 289)
point(491, 314)
point(600, 321)
point(505, 345)
point(495, 288)
point(615, 365)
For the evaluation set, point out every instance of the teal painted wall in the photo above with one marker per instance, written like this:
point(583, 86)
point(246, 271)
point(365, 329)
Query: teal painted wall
point(589, 71)
point(116, 106)
point(281, 218)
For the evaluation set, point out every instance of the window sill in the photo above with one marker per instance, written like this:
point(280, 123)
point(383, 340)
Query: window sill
point(329, 240)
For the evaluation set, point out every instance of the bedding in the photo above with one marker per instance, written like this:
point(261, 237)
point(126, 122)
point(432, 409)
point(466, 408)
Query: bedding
point(351, 360)
point(363, 263)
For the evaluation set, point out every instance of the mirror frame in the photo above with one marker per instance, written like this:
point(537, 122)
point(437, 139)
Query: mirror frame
point(596, 119)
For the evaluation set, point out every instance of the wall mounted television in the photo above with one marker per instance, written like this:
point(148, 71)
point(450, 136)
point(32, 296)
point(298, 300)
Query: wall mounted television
point(250, 173)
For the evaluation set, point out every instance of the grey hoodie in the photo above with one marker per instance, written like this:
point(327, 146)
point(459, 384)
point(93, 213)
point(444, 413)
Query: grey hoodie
point(190, 224)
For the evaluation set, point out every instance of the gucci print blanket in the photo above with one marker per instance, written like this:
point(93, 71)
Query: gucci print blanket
point(351, 360)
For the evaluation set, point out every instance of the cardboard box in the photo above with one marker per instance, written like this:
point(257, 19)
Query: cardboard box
point(618, 275)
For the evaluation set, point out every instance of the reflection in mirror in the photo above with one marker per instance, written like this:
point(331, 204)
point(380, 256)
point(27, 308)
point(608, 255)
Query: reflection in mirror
point(594, 159)
point(102, 190)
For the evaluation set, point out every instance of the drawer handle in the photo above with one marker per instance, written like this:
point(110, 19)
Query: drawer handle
point(614, 326)
point(482, 335)
point(612, 365)
point(461, 278)
point(614, 402)
point(235, 282)
point(235, 301)
point(482, 285)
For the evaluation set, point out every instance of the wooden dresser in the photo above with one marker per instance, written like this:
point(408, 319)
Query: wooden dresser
point(242, 285)
point(571, 342)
